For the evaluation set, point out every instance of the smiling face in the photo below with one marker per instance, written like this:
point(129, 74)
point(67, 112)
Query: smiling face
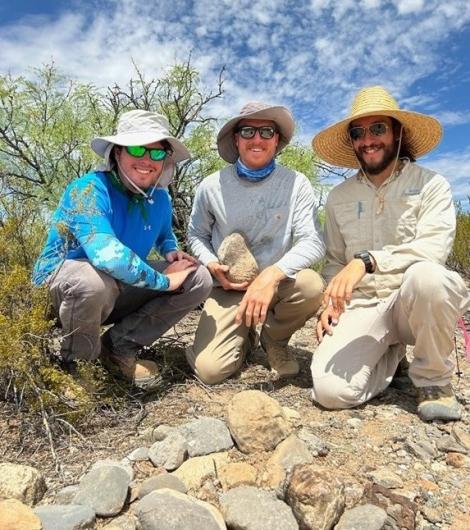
point(256, 152)
point(143, 172)
point(376, 153)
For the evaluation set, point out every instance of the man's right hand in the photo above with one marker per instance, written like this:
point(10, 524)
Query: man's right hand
point(178, 271)
point(219, 272)
point(326, 321)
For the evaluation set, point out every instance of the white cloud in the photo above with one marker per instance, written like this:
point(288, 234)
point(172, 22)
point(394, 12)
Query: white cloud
point(405, 7)
point(455, 166)
point(453, 118)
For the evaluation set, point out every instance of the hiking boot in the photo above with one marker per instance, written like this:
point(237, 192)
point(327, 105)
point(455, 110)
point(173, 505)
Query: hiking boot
point(438, 403)
point(141, 373)
point(282, 362)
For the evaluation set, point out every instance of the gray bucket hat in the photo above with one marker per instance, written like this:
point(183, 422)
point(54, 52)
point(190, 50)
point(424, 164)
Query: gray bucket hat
point(260, 111)
point(141, 127)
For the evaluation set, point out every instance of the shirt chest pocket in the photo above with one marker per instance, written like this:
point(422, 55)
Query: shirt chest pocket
point(404, 217)
point(352, 221)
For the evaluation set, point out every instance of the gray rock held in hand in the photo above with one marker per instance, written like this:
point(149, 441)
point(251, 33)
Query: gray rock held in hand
point(234, 253)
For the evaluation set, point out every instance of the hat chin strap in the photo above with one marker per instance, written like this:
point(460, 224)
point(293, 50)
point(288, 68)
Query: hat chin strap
point(364, 172)
point(148, 196)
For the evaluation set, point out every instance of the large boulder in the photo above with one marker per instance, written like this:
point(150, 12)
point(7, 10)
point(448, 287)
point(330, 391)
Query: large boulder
point(256, 421)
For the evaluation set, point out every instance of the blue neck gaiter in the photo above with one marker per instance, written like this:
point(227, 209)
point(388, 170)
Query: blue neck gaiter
point(254, 175)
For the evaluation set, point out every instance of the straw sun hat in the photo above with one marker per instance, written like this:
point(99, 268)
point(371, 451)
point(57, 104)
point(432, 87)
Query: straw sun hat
point(421, 133)
point(259, 111)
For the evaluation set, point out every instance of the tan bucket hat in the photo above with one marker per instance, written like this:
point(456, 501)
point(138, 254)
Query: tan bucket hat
point(260, 111)
point(140, 127)
point(421, 133)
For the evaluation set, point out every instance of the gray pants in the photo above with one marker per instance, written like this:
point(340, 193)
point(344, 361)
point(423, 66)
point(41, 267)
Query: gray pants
point(359, 360)
point(86, 298)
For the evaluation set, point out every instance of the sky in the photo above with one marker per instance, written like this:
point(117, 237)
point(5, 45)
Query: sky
point(310, 55)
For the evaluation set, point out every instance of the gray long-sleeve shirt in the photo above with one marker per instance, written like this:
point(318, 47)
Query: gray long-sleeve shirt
point(277, 216)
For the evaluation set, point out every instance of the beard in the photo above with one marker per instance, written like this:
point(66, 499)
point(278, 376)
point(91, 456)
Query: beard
point(388, 156)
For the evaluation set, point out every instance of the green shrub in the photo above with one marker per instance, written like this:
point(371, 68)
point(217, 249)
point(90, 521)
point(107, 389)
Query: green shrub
point(459, 259)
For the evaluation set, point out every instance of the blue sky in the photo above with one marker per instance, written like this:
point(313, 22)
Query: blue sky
point(311, 55)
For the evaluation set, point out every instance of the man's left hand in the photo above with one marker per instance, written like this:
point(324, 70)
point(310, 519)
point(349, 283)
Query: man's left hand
point(255, 303)
point(178, 255)
point(341, 286)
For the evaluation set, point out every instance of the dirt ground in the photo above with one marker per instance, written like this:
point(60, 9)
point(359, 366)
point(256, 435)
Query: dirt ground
point(377, 441)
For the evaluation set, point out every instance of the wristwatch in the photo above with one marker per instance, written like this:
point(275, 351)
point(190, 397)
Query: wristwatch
point(366, 258)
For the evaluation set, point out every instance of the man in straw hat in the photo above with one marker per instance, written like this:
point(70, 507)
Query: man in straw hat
point(389, 230)
point(95, 258)
point(273, 208)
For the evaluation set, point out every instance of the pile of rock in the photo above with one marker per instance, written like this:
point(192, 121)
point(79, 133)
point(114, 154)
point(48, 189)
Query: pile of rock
point(260, 470)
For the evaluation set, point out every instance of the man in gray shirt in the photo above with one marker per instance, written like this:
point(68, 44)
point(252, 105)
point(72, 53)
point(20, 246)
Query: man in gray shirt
point(274, 209)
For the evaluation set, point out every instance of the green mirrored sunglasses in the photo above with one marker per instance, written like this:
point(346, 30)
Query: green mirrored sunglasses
point(138, 151)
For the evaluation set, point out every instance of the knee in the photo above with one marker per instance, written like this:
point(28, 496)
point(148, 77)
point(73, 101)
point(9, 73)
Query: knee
point(211, 368)
point(201, 280)
point(426, 280)
point(334, 394)
point(92, 286)
point(210, 372)
point(210, 375)
point(310, 284)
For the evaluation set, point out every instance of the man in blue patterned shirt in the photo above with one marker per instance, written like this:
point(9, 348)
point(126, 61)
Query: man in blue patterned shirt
point(95, 259)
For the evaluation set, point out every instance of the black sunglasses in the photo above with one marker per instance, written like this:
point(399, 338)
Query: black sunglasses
point(248, 131)
point(376, 129)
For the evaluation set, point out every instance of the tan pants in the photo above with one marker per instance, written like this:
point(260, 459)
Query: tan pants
point(359, 360)
point(220, 344)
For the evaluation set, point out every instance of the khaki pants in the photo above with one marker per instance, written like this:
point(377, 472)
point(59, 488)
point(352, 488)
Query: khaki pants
point(85, 298)
point(359, 360)
point(220, 344)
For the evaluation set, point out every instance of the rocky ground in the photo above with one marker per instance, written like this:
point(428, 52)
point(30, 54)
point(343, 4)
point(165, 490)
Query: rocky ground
point(381, 452)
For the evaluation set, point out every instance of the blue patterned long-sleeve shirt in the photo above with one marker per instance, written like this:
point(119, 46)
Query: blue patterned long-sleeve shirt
point(112, 228)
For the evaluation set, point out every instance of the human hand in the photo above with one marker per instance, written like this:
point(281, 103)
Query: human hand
point(177, 272)
point(328, 318)
point(339, 290)
point(179, 265)
point(255, 303)
point(177, 255)
point(218, 271)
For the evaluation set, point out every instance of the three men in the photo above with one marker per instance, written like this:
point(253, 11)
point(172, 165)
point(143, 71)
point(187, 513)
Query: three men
point(388, 232)
point(274, 209)
point(95, 258)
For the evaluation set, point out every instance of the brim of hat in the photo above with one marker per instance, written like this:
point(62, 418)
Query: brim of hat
point(280, 115)
point(101, 143)
point(333, 145)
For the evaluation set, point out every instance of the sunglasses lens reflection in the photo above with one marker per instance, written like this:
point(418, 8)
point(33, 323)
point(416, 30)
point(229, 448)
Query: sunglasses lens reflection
point(247, 132)
point(376, 129)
